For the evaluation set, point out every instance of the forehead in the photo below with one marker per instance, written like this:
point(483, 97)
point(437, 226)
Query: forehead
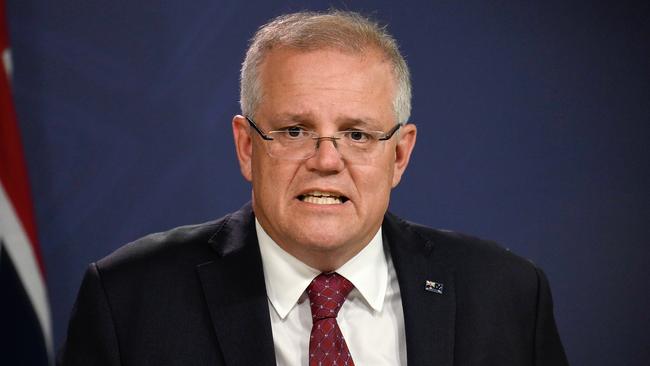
point(327, 83)
point(324, 63)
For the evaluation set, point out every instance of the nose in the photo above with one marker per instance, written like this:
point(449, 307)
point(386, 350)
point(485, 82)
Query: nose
point(327, 157)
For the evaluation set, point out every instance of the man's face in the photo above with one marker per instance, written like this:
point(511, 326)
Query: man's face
point(325, 91)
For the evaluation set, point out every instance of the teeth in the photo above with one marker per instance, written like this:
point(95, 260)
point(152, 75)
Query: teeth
point(328, 200)
point(322, 198)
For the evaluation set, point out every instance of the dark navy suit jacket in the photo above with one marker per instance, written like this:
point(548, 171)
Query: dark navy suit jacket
point(195, 295)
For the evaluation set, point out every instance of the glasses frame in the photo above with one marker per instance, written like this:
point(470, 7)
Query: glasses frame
point(266, 137)
point(318, 139)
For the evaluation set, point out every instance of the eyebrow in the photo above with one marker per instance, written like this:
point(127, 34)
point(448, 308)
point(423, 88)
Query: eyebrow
point(292, 117)
point(366, 123)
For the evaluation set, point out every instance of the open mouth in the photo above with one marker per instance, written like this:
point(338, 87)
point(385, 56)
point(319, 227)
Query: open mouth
point(323, 198)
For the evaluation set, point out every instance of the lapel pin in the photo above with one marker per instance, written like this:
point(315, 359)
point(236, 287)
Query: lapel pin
point(432, 286)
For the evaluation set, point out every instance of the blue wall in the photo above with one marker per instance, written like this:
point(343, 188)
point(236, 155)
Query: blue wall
point(533, 128)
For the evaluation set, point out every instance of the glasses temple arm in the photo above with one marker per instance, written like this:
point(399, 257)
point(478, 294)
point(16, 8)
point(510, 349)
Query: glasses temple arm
point(390, 133)
point(262, 134)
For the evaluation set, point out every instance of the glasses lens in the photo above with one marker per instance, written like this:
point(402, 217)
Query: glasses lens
point(359, 151)
point(290, 144)
point(354, 146)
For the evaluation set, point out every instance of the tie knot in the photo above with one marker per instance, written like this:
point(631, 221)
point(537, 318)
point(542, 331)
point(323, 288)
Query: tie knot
point(327, 292)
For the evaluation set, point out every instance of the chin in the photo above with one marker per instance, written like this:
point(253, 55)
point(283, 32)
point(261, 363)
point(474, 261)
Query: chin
point(322, 236)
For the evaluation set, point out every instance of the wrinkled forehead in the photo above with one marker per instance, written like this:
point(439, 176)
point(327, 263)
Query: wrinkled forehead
point(284, 57)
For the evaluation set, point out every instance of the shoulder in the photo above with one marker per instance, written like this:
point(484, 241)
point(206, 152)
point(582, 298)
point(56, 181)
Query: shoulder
point(467, 255)
point(180, 247)
point(163, 244)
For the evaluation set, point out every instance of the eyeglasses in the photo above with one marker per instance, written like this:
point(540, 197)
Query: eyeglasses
point(296, 143)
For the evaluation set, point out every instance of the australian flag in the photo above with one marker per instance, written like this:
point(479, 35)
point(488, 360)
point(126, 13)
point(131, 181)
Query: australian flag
point(25, 325)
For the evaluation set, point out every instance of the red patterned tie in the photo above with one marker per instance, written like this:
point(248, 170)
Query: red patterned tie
point(327, 292)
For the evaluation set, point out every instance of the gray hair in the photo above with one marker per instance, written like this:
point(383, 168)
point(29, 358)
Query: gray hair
point(343, 30)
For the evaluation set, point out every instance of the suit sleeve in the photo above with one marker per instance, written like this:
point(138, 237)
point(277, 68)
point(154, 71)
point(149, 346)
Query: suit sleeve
point(91, 338)
point(548, 347)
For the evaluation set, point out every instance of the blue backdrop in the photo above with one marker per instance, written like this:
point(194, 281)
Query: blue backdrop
point(533, 128)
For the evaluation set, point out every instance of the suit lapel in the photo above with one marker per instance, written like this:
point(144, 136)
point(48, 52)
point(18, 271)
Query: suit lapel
point(235, 293)
point(429, 316)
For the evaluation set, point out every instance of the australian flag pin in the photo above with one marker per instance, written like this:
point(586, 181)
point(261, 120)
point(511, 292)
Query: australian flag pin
point(432, 286)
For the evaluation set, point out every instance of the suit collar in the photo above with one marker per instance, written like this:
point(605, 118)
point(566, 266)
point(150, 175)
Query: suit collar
point(429, 317)
point(235, 232)
point(234, 290)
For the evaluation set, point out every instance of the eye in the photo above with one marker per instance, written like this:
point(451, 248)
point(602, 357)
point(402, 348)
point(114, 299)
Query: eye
point(358, 136)
point(294, 133)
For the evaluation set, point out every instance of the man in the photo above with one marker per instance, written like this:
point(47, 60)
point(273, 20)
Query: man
point(315, 271)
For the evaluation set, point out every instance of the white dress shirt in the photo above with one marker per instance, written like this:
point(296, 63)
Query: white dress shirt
point(371, 319)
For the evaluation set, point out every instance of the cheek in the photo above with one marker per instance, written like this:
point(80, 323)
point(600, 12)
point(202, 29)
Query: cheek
point(374, 181)
point(272, 176)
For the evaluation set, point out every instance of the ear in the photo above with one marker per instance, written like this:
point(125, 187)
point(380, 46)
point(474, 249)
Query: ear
point(403, 150)
point(243, 145)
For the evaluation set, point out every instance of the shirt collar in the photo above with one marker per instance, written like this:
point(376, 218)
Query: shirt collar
point(286, 277)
